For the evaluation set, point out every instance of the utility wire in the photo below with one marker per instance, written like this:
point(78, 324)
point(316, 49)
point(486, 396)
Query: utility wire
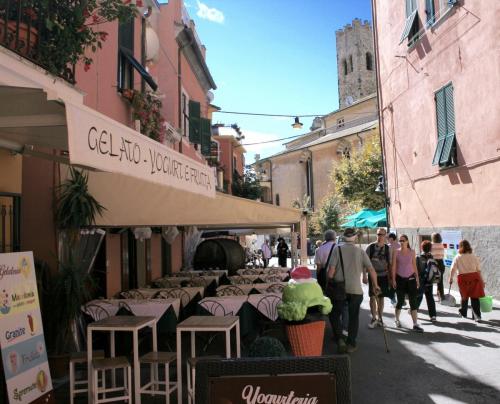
point(290, 116)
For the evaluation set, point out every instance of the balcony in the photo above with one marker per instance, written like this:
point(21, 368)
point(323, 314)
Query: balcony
point(23, 30)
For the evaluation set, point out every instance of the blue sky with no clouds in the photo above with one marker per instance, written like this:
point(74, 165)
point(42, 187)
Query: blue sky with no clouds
point(273, 56)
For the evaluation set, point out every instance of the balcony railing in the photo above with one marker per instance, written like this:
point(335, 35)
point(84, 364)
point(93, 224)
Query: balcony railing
point(23, 30)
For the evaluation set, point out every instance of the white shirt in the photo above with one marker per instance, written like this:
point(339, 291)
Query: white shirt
point(322, 253)
point(266, 251)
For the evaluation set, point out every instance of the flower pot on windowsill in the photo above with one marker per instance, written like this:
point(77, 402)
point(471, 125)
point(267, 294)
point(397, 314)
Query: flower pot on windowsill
point(128, 94)
point(23, 47)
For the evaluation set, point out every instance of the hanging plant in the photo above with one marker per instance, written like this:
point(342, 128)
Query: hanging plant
point(147, 109)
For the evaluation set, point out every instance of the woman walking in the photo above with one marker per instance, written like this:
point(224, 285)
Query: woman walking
point(470, 281)
point(405, 280)
point(282, 251)
point(425, 286)
point(437, 252)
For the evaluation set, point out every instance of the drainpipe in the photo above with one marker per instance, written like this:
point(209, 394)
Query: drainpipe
point(380, 109)
point(179, 83)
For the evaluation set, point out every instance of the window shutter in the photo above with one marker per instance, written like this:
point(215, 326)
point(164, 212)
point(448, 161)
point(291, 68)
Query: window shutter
point(450, 126)
point(409, 29)
point(452, 2)
point(430, 11)
point(441, 125)
point(194, 122)
point(206, 136)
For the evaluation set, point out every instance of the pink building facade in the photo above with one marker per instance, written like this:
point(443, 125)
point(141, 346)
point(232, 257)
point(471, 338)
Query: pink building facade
point(438, 73)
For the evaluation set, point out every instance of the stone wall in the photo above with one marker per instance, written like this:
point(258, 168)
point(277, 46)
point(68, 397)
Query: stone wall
point(354, 42)
point(485, 242)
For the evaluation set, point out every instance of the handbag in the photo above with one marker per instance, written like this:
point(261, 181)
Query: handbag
point(336, 289)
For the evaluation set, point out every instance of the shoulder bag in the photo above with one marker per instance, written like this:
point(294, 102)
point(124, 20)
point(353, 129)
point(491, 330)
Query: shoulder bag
point(336, 289)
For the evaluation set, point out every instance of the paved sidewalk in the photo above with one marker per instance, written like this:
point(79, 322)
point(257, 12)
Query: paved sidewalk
point(454, 361)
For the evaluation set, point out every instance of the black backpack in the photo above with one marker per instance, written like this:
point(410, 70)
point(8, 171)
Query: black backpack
point(371, 251)
point(431, 273)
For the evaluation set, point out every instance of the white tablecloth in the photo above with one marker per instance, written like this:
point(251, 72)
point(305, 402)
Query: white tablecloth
point(231, 305)
point(266, 303)
point(261, 287)
point(139, 307)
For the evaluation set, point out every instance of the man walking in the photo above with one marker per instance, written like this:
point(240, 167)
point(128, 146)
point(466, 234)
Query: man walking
point(322, 255)
point(380, 256)
point(347, 264)
point(266, 252)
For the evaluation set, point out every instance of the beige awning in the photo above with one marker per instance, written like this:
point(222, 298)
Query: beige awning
point(132, 202)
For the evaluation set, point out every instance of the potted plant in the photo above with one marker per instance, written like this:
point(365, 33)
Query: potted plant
point(300, 295)
point(147, 109)
point(71, 287)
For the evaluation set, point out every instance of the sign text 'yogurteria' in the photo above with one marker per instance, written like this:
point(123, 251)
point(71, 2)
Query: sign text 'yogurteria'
point(99, 142)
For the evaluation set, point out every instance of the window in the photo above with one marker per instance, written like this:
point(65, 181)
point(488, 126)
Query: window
point(340, 123)
point(344, 65)
point(206, 136)
point(235, 168)
point(430, 12)
point(277, 199)
point(351, 68)
point(125, 68)
point(411, 28)
point(344, 149)
point(214, 151)
point(445, 153)
point(369, 61)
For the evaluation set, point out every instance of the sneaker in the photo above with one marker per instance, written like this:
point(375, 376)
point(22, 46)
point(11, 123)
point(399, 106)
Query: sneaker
point(374, 323)
point(433, 319)
point(397, 323)
point(417, 328)
point(342, 347)
point(351, 348)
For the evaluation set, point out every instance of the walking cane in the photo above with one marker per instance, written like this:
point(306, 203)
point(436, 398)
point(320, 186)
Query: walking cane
point(379, 311)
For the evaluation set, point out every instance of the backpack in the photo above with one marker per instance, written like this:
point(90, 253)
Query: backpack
point(431, 272)
point(371, 251)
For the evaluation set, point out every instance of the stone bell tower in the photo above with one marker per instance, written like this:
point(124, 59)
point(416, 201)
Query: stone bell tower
point(355, 62)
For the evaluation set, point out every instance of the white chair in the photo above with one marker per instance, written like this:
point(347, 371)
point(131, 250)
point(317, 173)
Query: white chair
point(103, 394)
point(153, 386)
point(79, 358)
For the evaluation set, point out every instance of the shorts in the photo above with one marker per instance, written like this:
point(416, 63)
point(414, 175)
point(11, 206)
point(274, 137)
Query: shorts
point(383, 283)
point(406, 286)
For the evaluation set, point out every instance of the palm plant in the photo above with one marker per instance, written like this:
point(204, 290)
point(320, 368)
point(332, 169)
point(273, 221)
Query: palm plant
point(76, 208)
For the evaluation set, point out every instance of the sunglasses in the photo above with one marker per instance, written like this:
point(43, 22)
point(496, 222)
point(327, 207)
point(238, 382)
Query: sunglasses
point(380, 234)
point(403, 241)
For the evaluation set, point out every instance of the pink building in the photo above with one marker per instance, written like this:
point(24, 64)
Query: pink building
point(438, 66)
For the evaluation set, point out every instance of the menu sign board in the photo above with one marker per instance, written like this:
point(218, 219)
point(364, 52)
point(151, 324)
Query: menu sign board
point(310, 388)
point(451, 238)
point(22, 342)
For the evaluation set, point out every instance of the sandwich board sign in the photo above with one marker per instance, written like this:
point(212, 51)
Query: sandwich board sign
point(22, 343)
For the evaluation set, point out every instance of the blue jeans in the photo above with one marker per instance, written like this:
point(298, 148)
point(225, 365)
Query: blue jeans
point(353, 305)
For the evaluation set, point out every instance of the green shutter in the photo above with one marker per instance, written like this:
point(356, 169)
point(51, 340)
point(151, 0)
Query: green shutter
point(410, 23)
point(194, 122)
point(441, 125)
point(206, 136)
point(450, 126)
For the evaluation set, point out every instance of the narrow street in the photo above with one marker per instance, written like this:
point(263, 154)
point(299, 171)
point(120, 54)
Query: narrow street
point(454, 361)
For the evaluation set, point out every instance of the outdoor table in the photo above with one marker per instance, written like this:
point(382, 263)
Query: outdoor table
point(192, 291)
point(264, 271)
point(268, 310)
point(257, 287)
point(230, 304)
point(121, 323)
point(205, 324)
point(262, 278)
point(139, 307)
point(179, 280)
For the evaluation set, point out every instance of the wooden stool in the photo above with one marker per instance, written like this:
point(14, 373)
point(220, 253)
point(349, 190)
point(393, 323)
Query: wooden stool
point(101, 365)
point(152, 387)
point(79, 358)
point(191, 374)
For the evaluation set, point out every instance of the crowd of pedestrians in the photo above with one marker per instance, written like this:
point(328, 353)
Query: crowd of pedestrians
point(392, 270)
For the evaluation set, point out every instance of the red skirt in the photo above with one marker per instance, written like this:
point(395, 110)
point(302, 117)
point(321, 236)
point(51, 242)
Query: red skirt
point(470, 285)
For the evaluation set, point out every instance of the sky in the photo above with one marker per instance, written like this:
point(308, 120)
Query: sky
point(273, 57)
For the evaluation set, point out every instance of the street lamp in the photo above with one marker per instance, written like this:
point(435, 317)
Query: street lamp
point(297, 124)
